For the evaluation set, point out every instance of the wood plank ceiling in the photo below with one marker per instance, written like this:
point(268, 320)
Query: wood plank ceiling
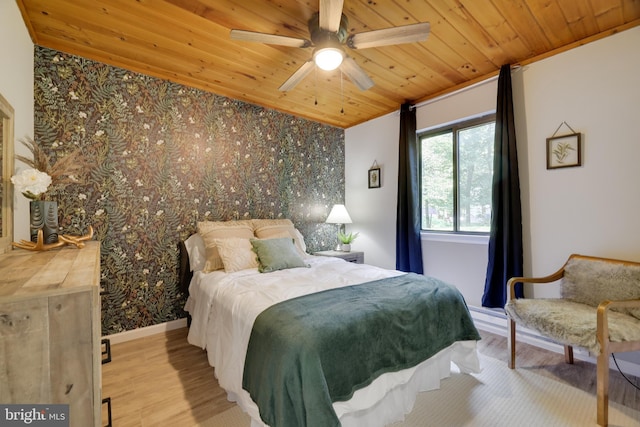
point(187, 41)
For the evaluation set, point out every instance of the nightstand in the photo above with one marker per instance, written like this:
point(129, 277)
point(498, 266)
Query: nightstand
point(353, 256)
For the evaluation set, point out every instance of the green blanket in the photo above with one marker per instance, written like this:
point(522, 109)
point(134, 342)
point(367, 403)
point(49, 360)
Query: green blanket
point(310, 351)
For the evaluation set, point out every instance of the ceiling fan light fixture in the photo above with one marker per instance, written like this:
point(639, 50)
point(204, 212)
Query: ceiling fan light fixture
point(328, 58)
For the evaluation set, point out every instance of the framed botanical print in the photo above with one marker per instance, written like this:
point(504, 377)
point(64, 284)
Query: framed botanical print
point(374, 178)
point(564, 151)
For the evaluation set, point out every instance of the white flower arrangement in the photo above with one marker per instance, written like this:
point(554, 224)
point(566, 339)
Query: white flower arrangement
point(32, 183)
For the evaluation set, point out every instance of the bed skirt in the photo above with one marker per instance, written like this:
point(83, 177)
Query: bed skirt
point(392, 395)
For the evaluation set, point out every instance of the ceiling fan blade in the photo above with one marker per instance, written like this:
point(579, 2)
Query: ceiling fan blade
point(356, 74)
point(330, 14)
point(252, 36)
point(297, 77)
point(388, 36)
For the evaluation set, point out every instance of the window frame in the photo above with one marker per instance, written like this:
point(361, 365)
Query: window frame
point(453, 128)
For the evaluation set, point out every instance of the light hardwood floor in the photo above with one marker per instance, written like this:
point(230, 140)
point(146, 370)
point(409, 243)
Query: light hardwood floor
point(164, 381)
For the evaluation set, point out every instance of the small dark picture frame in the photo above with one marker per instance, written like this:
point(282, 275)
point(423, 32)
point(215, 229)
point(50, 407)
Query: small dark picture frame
point(564, 151)
point(374, 178)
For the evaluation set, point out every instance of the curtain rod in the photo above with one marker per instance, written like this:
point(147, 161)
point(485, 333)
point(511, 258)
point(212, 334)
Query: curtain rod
point(455, 92)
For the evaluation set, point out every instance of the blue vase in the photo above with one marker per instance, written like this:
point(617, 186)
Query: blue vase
point(44, 216)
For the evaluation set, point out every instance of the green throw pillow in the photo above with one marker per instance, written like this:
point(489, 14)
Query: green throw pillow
point(276, 254)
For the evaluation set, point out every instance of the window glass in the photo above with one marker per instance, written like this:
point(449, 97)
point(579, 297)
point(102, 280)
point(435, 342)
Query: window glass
point(437, 182)
point(456, 175)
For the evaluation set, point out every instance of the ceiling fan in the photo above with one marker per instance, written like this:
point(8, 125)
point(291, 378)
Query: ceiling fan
point(328, 33)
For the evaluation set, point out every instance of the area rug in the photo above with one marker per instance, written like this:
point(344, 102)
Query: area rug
point(497, 397)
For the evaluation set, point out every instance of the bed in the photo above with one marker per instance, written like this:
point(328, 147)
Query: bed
point(298, 340)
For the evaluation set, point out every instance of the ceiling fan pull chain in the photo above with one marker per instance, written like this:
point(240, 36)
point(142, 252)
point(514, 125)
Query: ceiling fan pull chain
point(341, 92)
point(315, 85)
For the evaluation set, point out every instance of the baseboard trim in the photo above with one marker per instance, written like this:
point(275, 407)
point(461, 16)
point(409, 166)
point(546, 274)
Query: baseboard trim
point(147, 331)
point(495, 321)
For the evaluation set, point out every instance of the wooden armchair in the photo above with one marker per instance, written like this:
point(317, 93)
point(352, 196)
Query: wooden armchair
point(599, 309)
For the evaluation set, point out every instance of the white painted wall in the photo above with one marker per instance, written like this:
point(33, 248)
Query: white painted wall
point(373, 210)
point(593, 209)
point(16, 85)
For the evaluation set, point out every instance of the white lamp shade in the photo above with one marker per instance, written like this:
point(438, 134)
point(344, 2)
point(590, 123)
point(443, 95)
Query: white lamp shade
point(338, 215)
point(328, 58)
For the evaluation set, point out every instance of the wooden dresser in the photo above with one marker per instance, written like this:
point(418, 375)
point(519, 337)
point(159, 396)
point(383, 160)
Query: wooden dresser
point(50, 330)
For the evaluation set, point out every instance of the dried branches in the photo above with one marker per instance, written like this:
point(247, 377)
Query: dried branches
point(65, 170)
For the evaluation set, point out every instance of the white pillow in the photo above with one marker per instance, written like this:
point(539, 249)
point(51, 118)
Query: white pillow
point(236, 254)
point(300, 241)
point(197, 252)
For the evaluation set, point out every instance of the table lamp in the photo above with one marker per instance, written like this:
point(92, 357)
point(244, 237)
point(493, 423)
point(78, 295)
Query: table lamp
point(340, 216)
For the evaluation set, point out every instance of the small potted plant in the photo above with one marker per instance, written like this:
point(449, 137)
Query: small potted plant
point(345, 240)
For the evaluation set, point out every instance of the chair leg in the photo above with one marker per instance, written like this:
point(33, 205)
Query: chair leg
point(602, 386)
point(568, 354)
point(511, 343)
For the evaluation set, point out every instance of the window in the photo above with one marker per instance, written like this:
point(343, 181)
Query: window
point(456, 176)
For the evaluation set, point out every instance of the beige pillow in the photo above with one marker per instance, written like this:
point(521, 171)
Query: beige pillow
point(259, 223)
point(277, 228)
point(212, 230)
point(236, 254)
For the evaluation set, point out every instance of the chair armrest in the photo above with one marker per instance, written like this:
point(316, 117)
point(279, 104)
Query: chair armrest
point(602, 331)
point(511, 284)
point(625, 303)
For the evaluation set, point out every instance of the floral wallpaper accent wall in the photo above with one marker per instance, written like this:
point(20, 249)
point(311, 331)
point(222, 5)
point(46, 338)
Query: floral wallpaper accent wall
point(167, 156)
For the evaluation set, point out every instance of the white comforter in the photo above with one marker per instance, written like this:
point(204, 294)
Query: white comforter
point(224, 306)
